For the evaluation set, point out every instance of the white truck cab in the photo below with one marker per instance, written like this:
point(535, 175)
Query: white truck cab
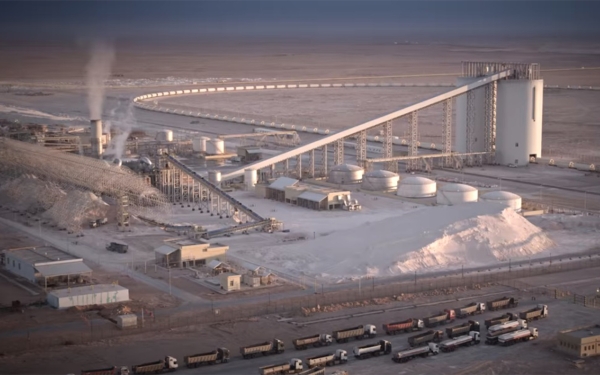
point(434, 348)
point(341, 354)
point(171, 363)
point(370, 329)
point(420, 324)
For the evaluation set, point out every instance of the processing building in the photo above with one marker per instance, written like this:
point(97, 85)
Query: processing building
point(46, 266)
point(581, 342)
point(186, 252)
point(87, 295)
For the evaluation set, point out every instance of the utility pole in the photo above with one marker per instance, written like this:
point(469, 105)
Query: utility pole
point(415, 277)
point(170, 281)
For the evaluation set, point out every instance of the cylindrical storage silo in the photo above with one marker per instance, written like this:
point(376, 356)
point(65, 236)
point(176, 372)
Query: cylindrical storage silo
point(196, 144)
point(250, 178)
point(165, 136)
point(416, 187)
point(214, 177)
point(452, 194)
point(346, 174)
point(96, 138)
point(203, 141)
point(380, 181)
point(503, 197)
point(215, 146)
point(478, 112)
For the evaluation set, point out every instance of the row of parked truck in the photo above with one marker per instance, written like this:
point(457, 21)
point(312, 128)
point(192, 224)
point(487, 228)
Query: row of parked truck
point(505, 329)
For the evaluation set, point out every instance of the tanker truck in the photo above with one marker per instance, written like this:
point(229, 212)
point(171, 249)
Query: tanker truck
point(518, 336)
point(404, 326)
point(294, 366)
point(373, 350)
point(425, 338)
point(467, 340)
point(360, 332)
point(221, 355)
point(323, 339)
point(330, 359)
point(494, 332)
point(423, 351)
point(266, 348)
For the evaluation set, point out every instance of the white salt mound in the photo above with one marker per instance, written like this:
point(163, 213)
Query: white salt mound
point(432, 238)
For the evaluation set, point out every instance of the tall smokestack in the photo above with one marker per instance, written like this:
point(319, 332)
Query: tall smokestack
point(96, 138)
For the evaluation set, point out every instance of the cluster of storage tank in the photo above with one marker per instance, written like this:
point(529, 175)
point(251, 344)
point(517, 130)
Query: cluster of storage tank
point(209, 146)
point(418, 187)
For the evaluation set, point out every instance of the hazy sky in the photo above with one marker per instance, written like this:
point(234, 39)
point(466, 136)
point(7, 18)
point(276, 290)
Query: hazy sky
point(298, 18)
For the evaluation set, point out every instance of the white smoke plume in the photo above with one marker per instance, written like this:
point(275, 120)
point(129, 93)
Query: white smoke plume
point(122, 121)
point(98, 71)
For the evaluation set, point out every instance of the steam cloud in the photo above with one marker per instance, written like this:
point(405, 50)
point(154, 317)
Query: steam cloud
point(98, 71)
point(122, 119)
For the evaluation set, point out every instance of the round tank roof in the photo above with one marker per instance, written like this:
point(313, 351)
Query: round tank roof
point(457, 188)
point(346, 168)
point(416, 180)
point(380, 173)
point(500, 196)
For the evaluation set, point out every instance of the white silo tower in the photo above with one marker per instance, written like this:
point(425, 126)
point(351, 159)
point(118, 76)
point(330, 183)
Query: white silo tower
point(517, 135)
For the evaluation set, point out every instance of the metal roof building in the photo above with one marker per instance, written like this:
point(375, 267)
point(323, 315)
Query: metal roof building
point(87, 295)
point(581, 342)
point(46, 266)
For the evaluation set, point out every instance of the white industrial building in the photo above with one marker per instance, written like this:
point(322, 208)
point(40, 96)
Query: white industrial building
point(453, 194)
point(87, 295)
point(416, 187)
point(380, 180)
point(503, 197)
point(289, 190)
point(517, 134)
point(46, 266)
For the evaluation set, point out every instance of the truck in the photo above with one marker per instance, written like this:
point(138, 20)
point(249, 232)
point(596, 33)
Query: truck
point(538, 312)
point(313, 371)
point(470, 309)
point(164, 365)
point(373, 350)
point(423, 351)
point(360, 332)
point(107, 371)
point(220, 355)
point(446, 316)
point(425, 338)
point(466, 340)
point(518, 336)
point(502, 303)
point(458, 330)
point(322, 339)
point(266, 348)
point(117, 247)
point(407, 325)
point(499, 320)
point(494, 332)
point(294, 366)
point(330, 359)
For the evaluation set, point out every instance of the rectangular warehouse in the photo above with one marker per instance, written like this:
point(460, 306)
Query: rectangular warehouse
point(581, 342)
point(289, 190)
point(185, 252)
point(87, 295)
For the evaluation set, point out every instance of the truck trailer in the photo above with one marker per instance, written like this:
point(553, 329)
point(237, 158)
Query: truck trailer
point(500, 319)
point(107, 371)
point(330, 359)
point(470, 309)
point(164, 365)
point(373, 350)
point(446, 316)
point(313, 371)
point(408, 325)
point(461, 329)
point(425, 338)
point(360, 332)
point(494, 332)
point(518, 336)
point(322, 339)
point(294, 366)
point(423, 351)
point(221, 355)
point(538, 312)
point(502, 303)
point(266, 348)
point(467, 340)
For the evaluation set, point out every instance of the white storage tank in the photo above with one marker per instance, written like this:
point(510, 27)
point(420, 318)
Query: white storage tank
point(416, 187)
point(346, 174)
point(250, 178)
point(380, 181)
point(196, 144)
point(165, 135)
point(215, 146)
point(451, 194)
point(214, 177)
point(503, 197)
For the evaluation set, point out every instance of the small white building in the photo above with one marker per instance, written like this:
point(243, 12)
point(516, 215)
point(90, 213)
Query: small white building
point(87, 295)
point(230, 281)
